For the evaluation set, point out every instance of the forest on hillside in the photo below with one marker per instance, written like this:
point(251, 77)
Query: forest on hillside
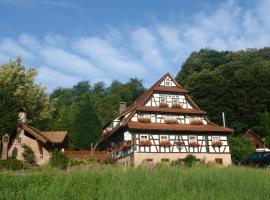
point(237, 83)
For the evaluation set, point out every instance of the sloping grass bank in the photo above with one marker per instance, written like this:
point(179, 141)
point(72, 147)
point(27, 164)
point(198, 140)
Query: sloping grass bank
point(165, 183)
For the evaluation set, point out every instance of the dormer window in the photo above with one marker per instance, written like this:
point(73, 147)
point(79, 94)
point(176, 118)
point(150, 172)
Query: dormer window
point(175, 101)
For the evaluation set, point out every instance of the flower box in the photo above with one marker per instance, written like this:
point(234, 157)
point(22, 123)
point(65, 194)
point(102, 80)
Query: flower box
point(145, 143)
point(180, 143)
point(144, 120)
point(165, 144)
point(163, 105)
point(123, 147)
point(217, 144)
point(196, 122)
point(176, 106)
point(171, 121)
point(194, 144)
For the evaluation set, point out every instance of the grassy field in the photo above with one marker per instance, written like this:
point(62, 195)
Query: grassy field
point(163, 183)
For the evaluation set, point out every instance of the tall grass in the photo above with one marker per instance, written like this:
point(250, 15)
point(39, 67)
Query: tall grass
point(164, 183)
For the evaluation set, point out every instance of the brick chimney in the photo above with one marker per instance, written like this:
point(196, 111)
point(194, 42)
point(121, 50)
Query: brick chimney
point(122, 107)
point(22, 115)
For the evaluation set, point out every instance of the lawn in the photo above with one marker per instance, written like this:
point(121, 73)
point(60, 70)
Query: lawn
point(162, 183)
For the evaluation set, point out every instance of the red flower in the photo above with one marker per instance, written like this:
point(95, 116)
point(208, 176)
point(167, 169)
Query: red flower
point(196, 122)
point(165, 144)
point(123, 147)
point(145, 143)
point(144, 120)
point(176, 106)
point(217, 144)
point(180, 143)
point(171, 121)
point(194, 144)
point(163, 105)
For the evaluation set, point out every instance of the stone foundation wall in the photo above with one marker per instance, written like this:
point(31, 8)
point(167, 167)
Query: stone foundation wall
point(139, 158)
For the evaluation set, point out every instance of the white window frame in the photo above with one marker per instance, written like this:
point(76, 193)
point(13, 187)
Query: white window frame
point(164, 138)
point(175, 101)
point(144, 139)
point(217, 138)
point(191, 140)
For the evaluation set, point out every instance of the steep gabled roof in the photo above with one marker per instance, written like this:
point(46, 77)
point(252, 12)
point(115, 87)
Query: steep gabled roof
point(54, 137)
point(256, 136)
point(138, 106)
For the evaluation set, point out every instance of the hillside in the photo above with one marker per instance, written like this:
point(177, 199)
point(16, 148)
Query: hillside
point(237, 83)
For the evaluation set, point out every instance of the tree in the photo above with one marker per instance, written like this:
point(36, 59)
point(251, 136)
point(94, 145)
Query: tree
point(86, 127)
point(18, 89)
point(240, 148)
point(236, 83)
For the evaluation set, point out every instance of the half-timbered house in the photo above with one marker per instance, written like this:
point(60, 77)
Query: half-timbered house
point(163, 125)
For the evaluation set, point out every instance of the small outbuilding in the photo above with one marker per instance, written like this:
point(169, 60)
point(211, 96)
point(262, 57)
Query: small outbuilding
point(256, 141)
point(42, 143)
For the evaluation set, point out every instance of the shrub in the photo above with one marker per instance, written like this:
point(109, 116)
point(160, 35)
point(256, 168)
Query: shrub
point(189, 160)
point(59, 160)
point(241, 148)
point(11, 164)
point(28, 155)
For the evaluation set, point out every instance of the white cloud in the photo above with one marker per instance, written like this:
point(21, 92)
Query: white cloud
point(52, 78)
point(113, 61)
point(143, 51)
point(68, 62)
point(12, 48)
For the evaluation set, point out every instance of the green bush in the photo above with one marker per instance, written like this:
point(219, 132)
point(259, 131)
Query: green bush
point(59, 160)
point(189, 160)
point(241, 148)
point(11, 164)
point(28, 155)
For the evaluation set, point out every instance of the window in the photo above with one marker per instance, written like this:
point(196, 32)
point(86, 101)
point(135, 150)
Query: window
point(19, 140)
point(170, 117)
point(149, 160)
point(175, 101)
point(144, 116)
point(215, 138)
point(144, 137)
point(192, 138)
point(163, 138)
point(219, 161)
point(162, 100)
point(167, 83)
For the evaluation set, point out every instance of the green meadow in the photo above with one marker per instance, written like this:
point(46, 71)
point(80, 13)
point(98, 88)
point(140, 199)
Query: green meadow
point(197, 182)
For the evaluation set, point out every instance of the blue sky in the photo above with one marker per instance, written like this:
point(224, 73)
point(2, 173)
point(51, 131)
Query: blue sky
point(72, 40)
